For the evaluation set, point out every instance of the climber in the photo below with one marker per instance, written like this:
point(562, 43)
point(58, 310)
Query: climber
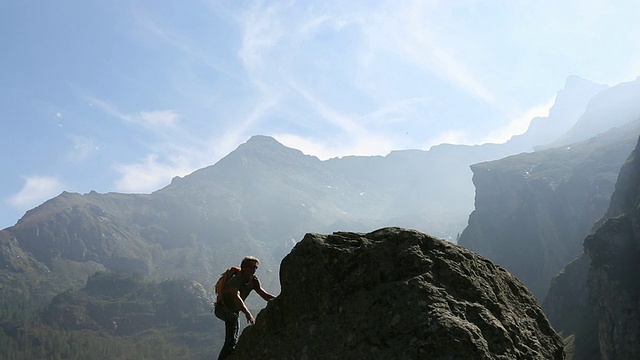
point(231, 298)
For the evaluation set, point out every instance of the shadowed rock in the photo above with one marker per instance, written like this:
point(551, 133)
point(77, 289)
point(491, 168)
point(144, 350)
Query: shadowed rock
point(396, 294)
point(594, 301)
point(614, 250)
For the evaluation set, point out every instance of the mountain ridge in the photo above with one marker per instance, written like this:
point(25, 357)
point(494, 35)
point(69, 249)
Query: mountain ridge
point(259, 200)
point(263, 196)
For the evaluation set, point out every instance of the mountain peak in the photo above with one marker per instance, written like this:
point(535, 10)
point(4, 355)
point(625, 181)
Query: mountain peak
point(569, 105)
point(263, 140)
point(267, 149)
point(259, 152)
point(575, 82)
point(609, 108)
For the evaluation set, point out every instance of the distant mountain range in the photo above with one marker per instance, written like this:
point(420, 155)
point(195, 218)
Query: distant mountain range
point(263, 197)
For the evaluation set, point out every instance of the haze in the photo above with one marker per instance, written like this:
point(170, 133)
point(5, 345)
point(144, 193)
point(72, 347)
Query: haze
point(123, 96)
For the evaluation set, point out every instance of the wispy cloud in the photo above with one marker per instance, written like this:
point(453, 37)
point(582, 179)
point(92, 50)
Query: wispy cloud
point(243, 128)
point(83, 148)
point(36, 190)
point(279, 72)
point(327, 113)
point(397, 111)
point(183, 43)
point(354, 138)
point(414, 40)
point(150, 174)
point(262, 30)
point(175, 150)
point(401, 31)
point(158, 119)
point(156, 169)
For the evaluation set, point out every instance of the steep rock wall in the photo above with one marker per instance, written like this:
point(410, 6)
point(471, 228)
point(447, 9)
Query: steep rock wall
point(594, 301)
point(532, 211)
point(614, 253)
point(568, 309)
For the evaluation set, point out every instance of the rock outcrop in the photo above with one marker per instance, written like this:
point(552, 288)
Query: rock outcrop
point(396, 294)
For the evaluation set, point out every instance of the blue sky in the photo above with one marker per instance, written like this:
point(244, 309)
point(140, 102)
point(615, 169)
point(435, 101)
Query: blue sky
point(123, 95)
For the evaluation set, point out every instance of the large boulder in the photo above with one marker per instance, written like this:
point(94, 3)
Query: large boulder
point(396, 294)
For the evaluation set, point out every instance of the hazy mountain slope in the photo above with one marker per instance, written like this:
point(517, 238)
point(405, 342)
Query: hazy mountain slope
point(259, 199)
point(609, 108)
point(262, 198)
point(533, 210)
point(570, 104)
point(115, 316)
point(432, 190)
point(254, 201)
point(278, 191)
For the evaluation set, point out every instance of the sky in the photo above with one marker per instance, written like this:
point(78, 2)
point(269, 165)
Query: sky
point(124, 95)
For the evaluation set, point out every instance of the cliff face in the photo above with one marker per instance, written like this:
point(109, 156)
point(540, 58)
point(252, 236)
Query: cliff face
point(594, 300)
point(534, 210)
point(395, 294)
point(614, 253)
point(568, 309)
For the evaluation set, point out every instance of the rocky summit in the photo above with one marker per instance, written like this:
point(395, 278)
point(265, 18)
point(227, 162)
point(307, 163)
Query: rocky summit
point(396, 294)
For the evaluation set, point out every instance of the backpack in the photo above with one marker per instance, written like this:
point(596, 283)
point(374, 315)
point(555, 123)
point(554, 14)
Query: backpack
point(222, 282)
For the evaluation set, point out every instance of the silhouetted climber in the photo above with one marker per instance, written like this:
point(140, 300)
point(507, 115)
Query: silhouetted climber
point(233, 288)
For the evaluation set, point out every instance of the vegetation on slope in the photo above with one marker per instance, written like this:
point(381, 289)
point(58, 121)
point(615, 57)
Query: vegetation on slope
point(115, 316)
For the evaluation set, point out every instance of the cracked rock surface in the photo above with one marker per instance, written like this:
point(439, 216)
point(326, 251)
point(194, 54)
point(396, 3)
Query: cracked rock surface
point(396, 294)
